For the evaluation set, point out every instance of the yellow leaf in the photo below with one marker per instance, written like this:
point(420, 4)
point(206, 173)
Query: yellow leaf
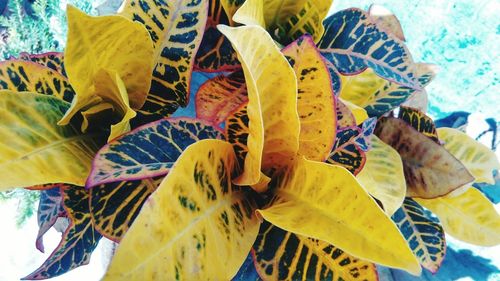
point(383, 175)
point(359, 113)
point(251, 13)
point(477, 158)
point(315, 102)
point(195, 226)
point(107, 43)
point(272, 102)
point(326, 202)
point(34, 149)
point(470, 217)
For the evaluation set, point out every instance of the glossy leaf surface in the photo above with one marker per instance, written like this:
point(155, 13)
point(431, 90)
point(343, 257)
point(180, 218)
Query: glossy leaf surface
point(88, 55)
point(430, 170)
point(33, 144)
point(50, 208)
point(272, 108)
point(282, 255)
point(425, 237)
point(220, 96)
point(479, 160)
point(315, 99)
point(352, 42)
point(196, 220)
point(26, 76)
point(383, 176)
point(176, 28)
point(313, 194)
point(147, 151)
point(78, 241)
point(52, 60)
point(470, 217)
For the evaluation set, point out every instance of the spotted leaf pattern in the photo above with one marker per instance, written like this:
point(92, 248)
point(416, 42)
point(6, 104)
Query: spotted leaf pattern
point(345, 118)
point(315, 99)
point(346, 152)
point(48, 153)
point(430, 170)
point(470, 217)
point(220, 96)
point(419, 121)
point(425, 236)
point(147, 151)
point(211, 222)
point(78, 241)
point(282, 255)
point(176, 28)
point(26, 76)
point(215, 52)
point(274, 125)
point(52, 60)
point(114, 206)
point(50, 208)
point(312, 194)
point(352, 42)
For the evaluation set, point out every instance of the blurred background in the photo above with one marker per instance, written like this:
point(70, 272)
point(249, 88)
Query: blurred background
point(461, 37)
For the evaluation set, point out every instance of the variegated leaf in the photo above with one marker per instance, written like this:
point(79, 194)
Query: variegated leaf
point(312, 194)
point(274, 124)
point(346, 151)
point(352, 42)
point(386, 20)
point(237, 132)
point(335, 77)
point(220, 96)
point(89, 61)
point(315, 99)
point(114, 206)
point(147, 151)
point(430, 170)
point(209, 222)
point(359, 113)
point(282, 255)
point(176, 28)
point(419, 121)
point(78, 241)
point(27, 76)
point(470, 217)
point(52, 60)
point(479, 160)
point(50, 208)
point(215, 52)
point(367, 129)
point(425, 236)
point(33, 144)
point(345, 118)
point(383, 176)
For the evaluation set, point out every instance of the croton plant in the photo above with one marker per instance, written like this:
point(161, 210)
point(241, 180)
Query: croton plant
point(310, 156)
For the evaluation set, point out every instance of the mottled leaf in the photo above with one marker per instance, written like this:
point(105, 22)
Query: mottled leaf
point(237, 132)
point(430, 170)
point(52, 60)
point(315, 99)
point(386, 21)
point(88, 57)
point(346, 151)
point(367, 129)
point(419, 121)
point(78, 241)
point(352, 42)
point(33, 144)
point(313, 194)
point(176, 28)
point(219, 96)
point(479, 160)
point(359, 113)
point(26, 76)
point(335, 77)
point(425, 237)
point(114, 206)
point(273, 138)
point(282, 255)
point(50, 208)
point(147, 151)
point(470, 217)
point(215, 52)
point(383, 176)
point(210, 229)
point(345, 118)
